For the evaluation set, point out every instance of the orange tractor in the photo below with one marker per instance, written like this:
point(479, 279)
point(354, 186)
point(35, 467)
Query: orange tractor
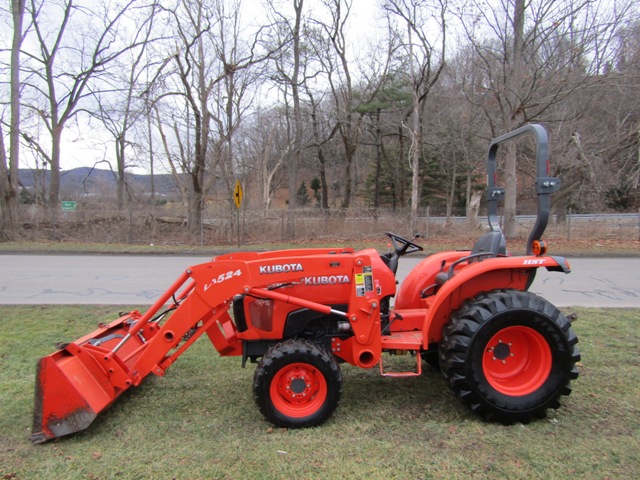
point(505, 352)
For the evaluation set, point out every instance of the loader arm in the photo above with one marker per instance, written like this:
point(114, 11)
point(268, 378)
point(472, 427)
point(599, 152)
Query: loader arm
point(84, 377)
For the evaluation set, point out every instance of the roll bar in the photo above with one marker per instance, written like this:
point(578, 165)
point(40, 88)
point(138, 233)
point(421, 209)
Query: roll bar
point(545, 185)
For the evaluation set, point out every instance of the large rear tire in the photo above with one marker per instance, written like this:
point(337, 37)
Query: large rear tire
point(509, 355)
point(297, 384)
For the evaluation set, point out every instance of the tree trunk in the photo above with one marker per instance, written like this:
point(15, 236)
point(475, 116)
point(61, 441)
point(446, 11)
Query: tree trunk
point(324, 187)
point(201, 135)
point(416, 151)
point(349, 153)
point(452, 193)
point(294, 160)
point(511, 189)
point(265, 174)
point(10, 196)
point(513, 95)
point(6, 227)
point(400, 190)
point(120, 144)
point(151, 157)
point(473, 203)
point(322, 162)
point(54, 180)
point(376, 188)
point(194, 219)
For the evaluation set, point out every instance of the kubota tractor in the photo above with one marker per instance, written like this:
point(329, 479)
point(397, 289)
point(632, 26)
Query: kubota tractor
point(506, 353)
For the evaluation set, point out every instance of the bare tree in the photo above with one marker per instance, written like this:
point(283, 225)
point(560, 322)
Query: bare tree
point(265, 147)
point(533, 56)
point(192, 20)
point(289, 75)
point(598, 156)
point(240, 56)
point(8, 228)
point(175, 160)
point(210, 60)
point(9, 171)
point(425, 56)
point(349, 90)
point(18, 10)
point(121, 106)
point(70, 53)
point(323, 132)
point(342, 89)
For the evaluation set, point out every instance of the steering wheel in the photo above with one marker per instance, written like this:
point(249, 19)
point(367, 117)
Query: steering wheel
point(401, 246)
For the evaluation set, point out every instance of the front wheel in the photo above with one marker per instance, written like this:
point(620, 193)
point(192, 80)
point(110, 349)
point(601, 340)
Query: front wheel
point(509, 355)
point(297, 384)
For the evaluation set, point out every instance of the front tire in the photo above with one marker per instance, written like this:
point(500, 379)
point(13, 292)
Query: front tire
point(297, 384)
point(509, 355)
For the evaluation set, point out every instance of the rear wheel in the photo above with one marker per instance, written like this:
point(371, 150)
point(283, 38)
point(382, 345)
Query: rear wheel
point(297, 384)
point(509, 355)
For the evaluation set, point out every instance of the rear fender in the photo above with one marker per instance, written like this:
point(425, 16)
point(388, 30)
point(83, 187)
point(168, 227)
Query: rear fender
point(491, 274)
point(562, 265)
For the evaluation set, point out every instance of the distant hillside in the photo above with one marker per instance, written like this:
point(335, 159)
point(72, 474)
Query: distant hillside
point(85, 181)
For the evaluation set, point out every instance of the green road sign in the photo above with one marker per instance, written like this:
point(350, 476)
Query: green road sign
point(69, 206)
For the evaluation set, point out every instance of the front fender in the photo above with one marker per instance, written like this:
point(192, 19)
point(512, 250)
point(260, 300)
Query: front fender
point(423, 276)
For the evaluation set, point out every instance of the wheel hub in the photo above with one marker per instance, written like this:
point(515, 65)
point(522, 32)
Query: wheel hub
point(501, 351)
point(517, 361)
point(298, 385)
point(298, 390)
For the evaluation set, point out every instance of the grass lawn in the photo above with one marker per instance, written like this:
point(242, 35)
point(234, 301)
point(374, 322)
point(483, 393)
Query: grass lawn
point(200, 421)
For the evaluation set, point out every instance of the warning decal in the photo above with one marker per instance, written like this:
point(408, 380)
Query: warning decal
point(359, 284)
point(364, 282)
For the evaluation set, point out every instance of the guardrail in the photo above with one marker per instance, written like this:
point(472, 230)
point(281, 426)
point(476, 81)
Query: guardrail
point(623, 225)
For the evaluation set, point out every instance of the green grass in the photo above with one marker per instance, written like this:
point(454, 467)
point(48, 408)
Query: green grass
point(200, 421)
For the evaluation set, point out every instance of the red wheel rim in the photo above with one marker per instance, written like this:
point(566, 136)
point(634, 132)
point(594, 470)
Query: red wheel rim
point(298, 390)
point(517, 361)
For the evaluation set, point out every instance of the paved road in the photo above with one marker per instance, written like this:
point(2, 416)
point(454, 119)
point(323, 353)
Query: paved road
point(139, 280)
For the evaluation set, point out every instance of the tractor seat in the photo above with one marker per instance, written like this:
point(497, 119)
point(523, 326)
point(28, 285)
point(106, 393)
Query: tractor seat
point(489, 245)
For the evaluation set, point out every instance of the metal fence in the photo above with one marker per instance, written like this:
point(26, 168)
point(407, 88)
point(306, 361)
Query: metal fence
point(149, 223)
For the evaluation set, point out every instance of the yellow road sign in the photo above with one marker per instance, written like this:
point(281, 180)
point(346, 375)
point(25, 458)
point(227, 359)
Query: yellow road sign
point(237, 194)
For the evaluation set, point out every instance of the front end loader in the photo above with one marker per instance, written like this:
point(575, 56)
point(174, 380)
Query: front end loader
point(299, 314)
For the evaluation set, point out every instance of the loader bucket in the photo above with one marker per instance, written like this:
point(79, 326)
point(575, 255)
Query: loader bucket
point(78, 381)
point(82, 378)
point(60, 408)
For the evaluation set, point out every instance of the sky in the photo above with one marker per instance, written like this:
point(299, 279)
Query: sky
point(86, 143)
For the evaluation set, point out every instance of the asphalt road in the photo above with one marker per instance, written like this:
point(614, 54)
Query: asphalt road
point(139, 280)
